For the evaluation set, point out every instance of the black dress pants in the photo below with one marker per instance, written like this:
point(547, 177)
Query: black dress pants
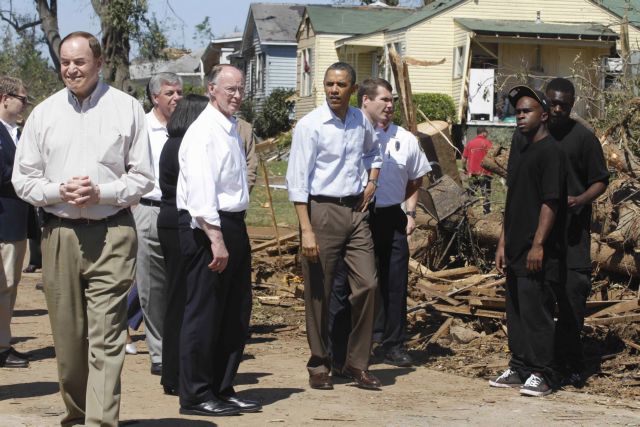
point(530, 324)
point(217, 312)
point(176, 294)
point(572, 307)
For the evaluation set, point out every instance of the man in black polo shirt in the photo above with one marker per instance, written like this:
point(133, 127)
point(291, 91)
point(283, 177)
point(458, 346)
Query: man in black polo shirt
point(587, 179)
point(531, 246)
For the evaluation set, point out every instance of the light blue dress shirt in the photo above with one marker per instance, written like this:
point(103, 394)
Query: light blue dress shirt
point(330, 157)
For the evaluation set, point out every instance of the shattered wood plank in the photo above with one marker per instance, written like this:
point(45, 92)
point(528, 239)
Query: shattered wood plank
point(430, 292)
point(618, 308)
point(466, 310)
point(474, 281)
point(273, 242)
point(422, 271)
point(442, 330)
point(494, 284)
point(489, 302)
point(631, 344)
point(269, 300)
point(629, 318)
point(456, 272)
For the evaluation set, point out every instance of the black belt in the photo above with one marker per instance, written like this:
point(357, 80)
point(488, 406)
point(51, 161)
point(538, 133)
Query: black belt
point(348, 201)
point(233, 215)
point(149, 202)
point(85, 221)
point(387, 208)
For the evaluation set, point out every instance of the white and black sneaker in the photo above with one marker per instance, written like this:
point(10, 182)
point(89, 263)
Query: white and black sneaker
point(535, 385)
point(507, 379)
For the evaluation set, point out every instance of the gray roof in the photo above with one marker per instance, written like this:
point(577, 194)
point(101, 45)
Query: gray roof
point(185, 64)
point(276, 22)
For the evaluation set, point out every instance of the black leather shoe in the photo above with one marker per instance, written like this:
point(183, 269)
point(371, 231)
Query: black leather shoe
point(211, 408)
point(398, 356)
point(10, 360)
point(170, 390)
point(30, 269)
point(244, 405)
point(156, 368)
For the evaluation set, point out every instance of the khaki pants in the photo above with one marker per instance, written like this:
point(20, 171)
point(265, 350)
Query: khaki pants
point(11, 258)
point(341, 233)
point(87, 271)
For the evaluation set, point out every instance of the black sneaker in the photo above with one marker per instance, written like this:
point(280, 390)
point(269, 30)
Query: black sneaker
point(536, 386)
point(507, 379)
point(573, 379)
point(398, 356)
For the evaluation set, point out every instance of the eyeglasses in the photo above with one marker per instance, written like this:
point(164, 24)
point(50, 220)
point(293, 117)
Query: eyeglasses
point(21, 98)
point(232, 90)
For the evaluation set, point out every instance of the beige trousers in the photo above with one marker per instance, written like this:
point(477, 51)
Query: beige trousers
point(11, 259)
point(87, 271)
point(341, 233)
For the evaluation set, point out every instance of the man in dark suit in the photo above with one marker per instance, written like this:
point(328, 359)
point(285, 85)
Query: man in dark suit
point(13, 217)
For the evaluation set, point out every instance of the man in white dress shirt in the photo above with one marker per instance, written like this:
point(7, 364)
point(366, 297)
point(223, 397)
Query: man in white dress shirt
point(403, 166)
point(165, 91)
point(84, 157)
point(212, 197)
point(331, 178)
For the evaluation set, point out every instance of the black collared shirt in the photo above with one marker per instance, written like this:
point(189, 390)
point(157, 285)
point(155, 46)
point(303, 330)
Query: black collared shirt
point(586, 166)
point(536, 173)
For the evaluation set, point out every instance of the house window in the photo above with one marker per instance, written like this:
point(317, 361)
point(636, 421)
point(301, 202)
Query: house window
point(260, 61)
point(458, 62)
point(306, 88)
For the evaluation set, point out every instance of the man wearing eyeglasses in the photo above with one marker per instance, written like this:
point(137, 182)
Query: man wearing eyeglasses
point(212, 197)
point(14, 215)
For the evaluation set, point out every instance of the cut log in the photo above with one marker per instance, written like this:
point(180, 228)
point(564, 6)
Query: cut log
point(274, 242)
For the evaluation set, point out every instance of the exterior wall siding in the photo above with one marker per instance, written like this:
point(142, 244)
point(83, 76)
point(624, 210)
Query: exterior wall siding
point(281, 68)
point(436, 38)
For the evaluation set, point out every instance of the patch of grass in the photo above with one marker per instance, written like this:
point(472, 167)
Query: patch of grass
point(259, 216)
point(277, 168)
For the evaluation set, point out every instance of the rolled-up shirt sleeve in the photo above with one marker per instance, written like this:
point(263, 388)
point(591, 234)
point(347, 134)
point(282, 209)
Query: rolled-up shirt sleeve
point(139, 177)
point(200, 176)
point(28, 177)
point(371, 158)
point(301, 162)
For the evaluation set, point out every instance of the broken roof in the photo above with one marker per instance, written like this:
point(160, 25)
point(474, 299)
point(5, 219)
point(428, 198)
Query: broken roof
point(276, 22)
point(491, 27)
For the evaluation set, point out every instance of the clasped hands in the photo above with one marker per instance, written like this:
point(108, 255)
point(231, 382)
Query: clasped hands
point(80, 191)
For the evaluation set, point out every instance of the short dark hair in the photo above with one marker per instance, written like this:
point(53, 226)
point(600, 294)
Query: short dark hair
point(369, 87)
point(10, 85)
point(343, 66)
point(187, 110)
point(560, 84)
point(481, 129)
point(94, 44)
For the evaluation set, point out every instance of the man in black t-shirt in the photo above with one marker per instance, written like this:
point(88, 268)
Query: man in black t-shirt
point(531, 246)
point(586, 180)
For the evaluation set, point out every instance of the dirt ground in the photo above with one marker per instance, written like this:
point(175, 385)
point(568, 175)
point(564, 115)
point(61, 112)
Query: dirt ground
point(274, 373)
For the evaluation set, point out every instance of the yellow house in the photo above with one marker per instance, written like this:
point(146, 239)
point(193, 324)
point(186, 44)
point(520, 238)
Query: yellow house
point(481, 47)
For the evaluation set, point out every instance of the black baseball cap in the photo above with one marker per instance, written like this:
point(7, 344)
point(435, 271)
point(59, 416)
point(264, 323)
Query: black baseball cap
point(518, 92)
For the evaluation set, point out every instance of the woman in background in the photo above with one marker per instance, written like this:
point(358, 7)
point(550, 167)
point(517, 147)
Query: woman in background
point(188, 109)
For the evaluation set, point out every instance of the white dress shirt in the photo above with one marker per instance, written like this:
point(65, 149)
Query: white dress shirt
point(157, 137)
point(104, 138)
point(213, 169)
point(12, 129)
point(402, 160)
point(330, 157)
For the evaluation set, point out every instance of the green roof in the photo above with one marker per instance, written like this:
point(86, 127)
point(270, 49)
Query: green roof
point(423, 13)
point(329, 19)
point(619, 7)
point(531, 28)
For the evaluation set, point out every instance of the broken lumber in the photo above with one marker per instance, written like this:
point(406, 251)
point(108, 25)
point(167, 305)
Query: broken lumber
point(621, 307)
point(613, 320)
point(442, 330)
point(274, 242)
point(430, 292)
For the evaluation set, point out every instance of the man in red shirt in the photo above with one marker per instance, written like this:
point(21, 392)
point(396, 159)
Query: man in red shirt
point(480, 178)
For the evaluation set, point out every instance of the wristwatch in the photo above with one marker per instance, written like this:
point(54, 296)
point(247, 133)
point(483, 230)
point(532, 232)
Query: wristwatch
point(412, 214)
point(374, 182)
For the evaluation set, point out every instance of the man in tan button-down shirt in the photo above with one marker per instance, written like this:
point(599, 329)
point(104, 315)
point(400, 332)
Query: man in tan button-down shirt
point(84, 157)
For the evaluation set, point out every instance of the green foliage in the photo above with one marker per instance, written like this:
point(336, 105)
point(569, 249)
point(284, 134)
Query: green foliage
point(153, 41)
point(188, 88)
point(275, 116)
point(203, 33)
point(436, 106)
point(21, 58)
point(247, 110)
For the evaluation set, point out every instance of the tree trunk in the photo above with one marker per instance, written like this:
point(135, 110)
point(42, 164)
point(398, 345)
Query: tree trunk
point(48, 13)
